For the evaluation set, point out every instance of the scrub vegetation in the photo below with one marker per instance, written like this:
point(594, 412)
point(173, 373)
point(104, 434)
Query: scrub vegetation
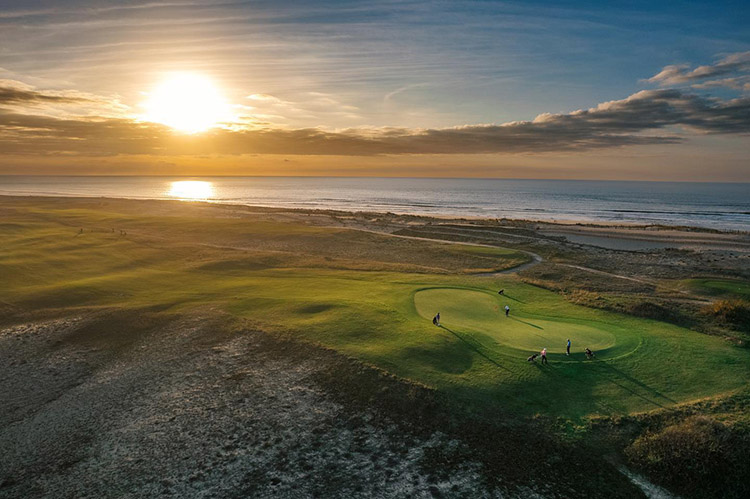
point(305, 281)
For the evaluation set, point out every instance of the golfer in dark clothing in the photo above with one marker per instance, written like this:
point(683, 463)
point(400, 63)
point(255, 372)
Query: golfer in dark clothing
point(507, 310)
point(567, 348)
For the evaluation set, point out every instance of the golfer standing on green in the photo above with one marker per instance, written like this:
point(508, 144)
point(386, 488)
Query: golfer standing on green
point(567, 348)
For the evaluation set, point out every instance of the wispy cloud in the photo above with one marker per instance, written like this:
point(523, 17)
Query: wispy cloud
point(647, 117)
point(362, 50)
point(16, 96)
point(405, 88)
point(314, 107)
point(703, 76)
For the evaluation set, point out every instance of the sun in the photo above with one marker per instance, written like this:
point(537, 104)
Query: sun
point(187, 102)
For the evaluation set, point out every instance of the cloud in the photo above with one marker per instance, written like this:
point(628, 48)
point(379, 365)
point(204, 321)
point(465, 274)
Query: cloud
point(310, 106)
point(402, 89)
point(20, 97)
point(264, 98)
point(681, 74)
point(16, 92)
point(736, 83)
point(647, 117)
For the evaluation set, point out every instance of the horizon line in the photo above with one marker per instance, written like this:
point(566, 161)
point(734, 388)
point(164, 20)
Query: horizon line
point(379, 177)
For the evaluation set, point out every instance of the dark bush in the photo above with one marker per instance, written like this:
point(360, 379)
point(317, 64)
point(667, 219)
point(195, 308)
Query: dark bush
point(735, 313)
point(698, 457)
point(650, 310)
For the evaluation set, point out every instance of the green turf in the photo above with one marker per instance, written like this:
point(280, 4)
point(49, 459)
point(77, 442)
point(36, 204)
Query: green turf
point(379, 316)
point(482, 315)
point(718, 288)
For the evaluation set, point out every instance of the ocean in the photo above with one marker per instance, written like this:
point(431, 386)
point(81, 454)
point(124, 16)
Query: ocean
point(722, 206)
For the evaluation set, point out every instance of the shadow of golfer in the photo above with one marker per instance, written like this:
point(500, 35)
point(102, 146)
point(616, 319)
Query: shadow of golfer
point(640, 384)
point(474, 347)
point(506, 295)
point(525, 322)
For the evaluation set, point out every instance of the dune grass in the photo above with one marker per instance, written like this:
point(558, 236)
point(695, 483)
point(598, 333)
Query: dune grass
point(368, 308)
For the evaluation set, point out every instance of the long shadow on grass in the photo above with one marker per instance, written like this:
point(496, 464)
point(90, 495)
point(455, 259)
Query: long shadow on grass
point(504, 295)
point(566, 388)
point(527, 323)
point(475, 348)
point(617, 377)
point(641, 384)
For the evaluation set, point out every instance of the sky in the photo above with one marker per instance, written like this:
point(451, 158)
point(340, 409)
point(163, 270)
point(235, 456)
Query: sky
point(560, 89)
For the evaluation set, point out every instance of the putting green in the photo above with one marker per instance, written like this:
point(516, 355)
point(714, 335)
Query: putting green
point(481, 315)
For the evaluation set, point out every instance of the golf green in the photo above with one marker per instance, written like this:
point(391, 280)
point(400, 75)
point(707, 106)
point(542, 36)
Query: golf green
point(481, 314)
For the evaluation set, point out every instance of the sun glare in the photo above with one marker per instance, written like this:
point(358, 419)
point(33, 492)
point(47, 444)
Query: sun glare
point(187, 102)
point(191, 189)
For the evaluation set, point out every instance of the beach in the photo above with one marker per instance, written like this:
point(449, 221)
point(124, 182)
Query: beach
point(719, 206)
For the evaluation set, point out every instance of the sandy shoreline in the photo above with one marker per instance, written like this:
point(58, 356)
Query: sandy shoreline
point(616, 236)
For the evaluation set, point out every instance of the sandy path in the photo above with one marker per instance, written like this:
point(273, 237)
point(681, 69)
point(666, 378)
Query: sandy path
point(693, 299)
point(535, 259)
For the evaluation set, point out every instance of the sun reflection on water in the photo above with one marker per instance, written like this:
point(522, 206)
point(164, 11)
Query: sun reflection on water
point(191, 189)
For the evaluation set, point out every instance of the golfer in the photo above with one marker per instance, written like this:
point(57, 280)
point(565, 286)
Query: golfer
point(507, 310)
point(567, 348)
point(438, 318)
point(544, 355)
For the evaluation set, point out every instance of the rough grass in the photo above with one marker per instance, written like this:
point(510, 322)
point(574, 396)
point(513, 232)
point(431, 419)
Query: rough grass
point(338, 288)
point(684, 303)
point(697, 457)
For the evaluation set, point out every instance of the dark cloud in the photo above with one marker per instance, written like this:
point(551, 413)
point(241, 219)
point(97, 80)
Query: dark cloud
point(647, 117)
point(16, 93)
point(682, 74)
